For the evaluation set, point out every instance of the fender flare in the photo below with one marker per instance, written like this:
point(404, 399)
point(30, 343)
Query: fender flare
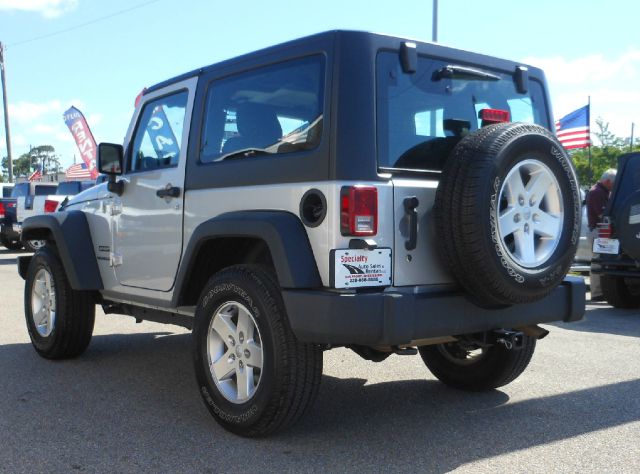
point(283, 233)
point(70, 232)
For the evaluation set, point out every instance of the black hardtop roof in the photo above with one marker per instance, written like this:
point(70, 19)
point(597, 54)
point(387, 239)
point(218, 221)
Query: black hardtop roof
point(392, 42)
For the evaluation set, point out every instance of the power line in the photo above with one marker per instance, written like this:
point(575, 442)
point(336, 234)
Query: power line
point(82, 25)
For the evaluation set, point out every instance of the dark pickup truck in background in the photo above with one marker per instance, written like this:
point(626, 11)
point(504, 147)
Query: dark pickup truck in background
point(7, 218)
point(617, 248)
point(9, 230)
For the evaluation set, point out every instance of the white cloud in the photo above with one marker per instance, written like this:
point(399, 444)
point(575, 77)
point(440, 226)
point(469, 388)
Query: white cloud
point(94, 119)
point(27, 112)
point(44, 129)
point(47, 8)
point(38, 123)
point(611, 82)
point(64, 137)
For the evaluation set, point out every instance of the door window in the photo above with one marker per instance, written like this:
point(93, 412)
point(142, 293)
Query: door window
point(158, 138)
point(271, 110)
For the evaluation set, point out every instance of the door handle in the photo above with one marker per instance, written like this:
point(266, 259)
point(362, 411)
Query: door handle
point(168, 192)
point(410, 205)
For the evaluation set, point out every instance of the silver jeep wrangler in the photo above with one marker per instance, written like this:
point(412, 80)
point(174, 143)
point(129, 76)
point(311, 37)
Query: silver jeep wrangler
point(345, 189)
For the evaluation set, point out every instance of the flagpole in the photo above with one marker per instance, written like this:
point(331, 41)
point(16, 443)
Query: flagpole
point(589, 128)
point(7, 132)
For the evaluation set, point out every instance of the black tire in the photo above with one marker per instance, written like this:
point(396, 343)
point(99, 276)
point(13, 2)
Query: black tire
point(10, 244)
point(33, 245)
point(496, 366)
point(291, 371)
point(618, 293)
point(467, 212)
point(74, 310)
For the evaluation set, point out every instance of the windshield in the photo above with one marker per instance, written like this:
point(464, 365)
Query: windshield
point(422, 116)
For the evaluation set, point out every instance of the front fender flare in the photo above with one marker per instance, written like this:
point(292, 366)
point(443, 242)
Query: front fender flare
point(70, 232)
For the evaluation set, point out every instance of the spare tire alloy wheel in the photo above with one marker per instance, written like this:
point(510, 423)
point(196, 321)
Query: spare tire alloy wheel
point(508, 214)
point(530, 216)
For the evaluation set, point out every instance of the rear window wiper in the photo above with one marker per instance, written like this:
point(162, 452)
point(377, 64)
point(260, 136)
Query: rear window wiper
point(463, 72)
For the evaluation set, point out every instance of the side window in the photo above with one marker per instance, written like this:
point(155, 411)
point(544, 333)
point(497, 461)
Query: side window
point(158, 138)
point(274, 109)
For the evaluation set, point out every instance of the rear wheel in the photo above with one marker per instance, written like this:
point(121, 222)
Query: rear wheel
point(254, 376)
point(619, 293)
point(59, 319)
point(467, 366)
point(34, 245)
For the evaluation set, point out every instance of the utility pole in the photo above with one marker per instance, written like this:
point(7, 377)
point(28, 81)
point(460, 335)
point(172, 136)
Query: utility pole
point(631, 141)
point(434, 38)
point(6, 113)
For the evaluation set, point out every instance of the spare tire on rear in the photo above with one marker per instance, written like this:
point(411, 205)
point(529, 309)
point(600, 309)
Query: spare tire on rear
point(508, 214)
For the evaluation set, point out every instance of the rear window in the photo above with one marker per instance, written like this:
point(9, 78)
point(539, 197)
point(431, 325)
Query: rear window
point(20, 190)
point(44, 190)
point(422, 116)
point(6, 192)
point(68, 189)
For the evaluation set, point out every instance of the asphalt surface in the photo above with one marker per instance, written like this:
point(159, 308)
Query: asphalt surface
point(130, 404)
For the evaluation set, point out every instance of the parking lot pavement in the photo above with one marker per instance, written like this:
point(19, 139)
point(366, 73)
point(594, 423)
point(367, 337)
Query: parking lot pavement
point(130, 404)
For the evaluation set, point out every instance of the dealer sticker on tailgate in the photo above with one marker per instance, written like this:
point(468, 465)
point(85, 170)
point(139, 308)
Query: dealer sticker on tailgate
point(355, 268)
point(610, 246)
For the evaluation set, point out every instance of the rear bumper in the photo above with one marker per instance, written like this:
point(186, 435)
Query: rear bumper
point(618, 265)
point(398, 316)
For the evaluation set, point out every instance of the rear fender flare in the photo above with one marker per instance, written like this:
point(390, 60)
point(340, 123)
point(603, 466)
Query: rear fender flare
point(283, 233)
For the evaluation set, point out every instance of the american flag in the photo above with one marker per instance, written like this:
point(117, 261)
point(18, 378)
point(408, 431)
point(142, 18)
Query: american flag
point(36, 175)
point(573, 129)
point(79, 171)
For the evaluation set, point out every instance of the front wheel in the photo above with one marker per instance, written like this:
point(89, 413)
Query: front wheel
point(467, 366)
point(254, 376)
point(59, 319)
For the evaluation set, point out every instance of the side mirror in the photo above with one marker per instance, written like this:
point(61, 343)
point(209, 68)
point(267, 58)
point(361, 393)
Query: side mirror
point(110, 160)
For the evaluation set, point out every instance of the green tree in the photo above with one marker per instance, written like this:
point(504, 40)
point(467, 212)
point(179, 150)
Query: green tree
point(603, 156)
point(22, 165)
point(27, 163)
point(45, 155)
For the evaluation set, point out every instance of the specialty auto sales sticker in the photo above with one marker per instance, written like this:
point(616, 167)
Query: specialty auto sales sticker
point(355, 268)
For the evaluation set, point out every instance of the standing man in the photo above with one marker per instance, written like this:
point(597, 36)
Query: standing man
point(597, 200)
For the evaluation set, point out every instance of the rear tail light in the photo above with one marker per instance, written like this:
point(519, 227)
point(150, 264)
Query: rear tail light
point(359, 210)
point(50, 205)
point(491, 116)
point(605, 230)
point(2, 211)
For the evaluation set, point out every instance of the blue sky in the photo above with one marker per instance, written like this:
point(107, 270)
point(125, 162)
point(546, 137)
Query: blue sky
point(586, 48)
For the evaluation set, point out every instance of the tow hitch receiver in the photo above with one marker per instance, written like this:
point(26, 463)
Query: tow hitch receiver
point(511, 340)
